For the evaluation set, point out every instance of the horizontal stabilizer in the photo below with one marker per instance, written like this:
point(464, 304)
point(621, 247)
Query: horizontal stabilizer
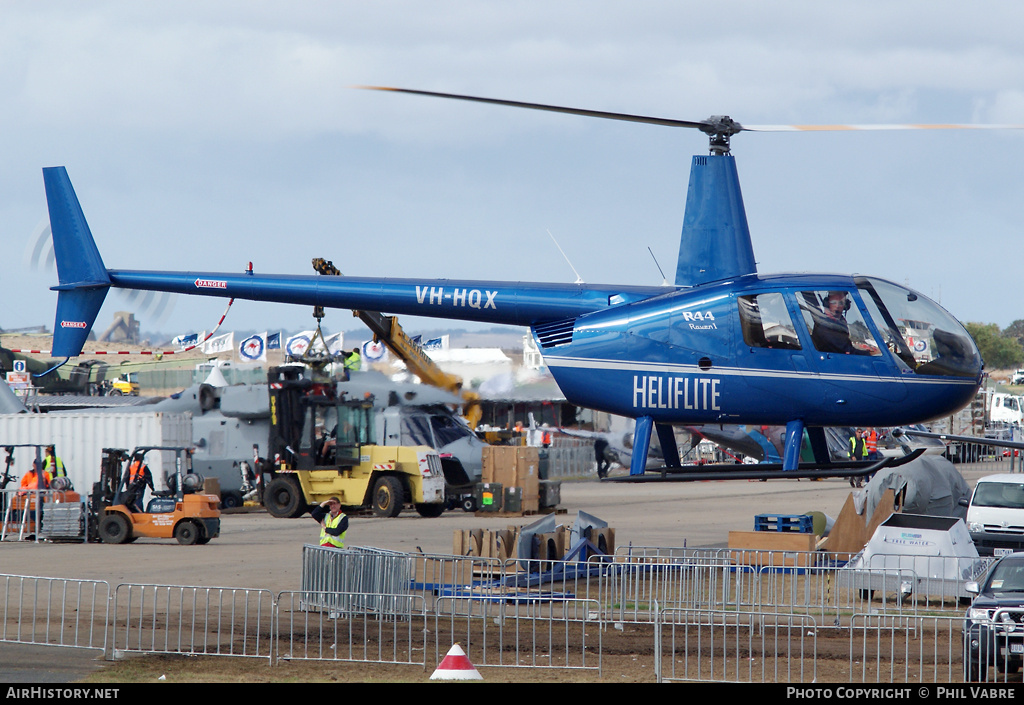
point(83, 279)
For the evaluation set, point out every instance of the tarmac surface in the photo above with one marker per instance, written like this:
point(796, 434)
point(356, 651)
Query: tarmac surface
point(255, 550)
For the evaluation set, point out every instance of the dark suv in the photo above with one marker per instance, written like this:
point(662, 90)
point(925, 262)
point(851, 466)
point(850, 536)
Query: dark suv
point(994, 628)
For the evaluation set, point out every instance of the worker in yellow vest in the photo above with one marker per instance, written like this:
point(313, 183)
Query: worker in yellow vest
point(333, 522)
point(54, 465)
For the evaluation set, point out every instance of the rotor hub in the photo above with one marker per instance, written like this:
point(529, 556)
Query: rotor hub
point(719, 129)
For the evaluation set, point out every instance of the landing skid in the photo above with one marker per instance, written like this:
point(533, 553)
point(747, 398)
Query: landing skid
point(767, 471)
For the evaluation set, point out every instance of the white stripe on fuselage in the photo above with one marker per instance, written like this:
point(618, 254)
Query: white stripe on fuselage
point(643, 367)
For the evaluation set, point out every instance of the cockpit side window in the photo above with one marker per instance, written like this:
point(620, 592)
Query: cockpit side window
point(416, 431)
point(447, 430)
point(836, 323)
point(766, 323)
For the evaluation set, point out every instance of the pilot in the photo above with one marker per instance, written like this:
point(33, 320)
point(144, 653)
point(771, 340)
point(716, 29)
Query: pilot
point(831, 333)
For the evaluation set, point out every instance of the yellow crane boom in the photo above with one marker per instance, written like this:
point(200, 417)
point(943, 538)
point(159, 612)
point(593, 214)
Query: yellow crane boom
point(387, 330)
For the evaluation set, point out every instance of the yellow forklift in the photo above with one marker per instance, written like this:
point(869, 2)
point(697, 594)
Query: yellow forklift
point(322, 445)
point(182, 512)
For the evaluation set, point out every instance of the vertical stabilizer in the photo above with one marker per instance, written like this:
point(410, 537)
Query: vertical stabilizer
point(83, 280)
point(715, 242)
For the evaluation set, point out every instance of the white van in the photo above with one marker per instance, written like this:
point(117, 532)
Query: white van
point(995, 515)
point(1006, 408)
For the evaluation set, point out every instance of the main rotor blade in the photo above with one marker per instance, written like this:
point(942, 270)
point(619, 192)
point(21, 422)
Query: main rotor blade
point(715, 125)
point(550, 108)
point(841, 128)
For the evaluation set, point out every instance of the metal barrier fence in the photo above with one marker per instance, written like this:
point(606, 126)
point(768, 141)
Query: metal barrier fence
point(309, 626)
point(356, 578)
point(180, 619)
point(63, 515)
point(54, 611)
point(178, 378)
point(704, 614)
point(994, 640)
point(816, 583)
point(887, 648)
point(522, 632)
point(570, 460)
point(629, 590)
point(936, 579)
point(518, 613)
point(734, 646)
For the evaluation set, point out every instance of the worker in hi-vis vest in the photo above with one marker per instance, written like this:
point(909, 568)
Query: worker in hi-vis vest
point(333, 523)
point(54, 465)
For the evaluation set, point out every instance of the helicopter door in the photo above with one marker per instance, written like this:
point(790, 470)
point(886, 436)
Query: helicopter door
point(844, 349)
point(771, 346)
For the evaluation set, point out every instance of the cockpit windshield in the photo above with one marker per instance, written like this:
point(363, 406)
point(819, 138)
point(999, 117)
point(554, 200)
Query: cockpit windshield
point(918, 331)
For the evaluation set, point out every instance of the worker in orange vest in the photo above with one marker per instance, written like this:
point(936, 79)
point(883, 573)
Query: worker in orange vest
point(136, 478)
point(871, 444)
point(30, 480)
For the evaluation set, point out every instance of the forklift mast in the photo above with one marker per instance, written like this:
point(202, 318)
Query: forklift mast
point(310, 426)
point(105, 492)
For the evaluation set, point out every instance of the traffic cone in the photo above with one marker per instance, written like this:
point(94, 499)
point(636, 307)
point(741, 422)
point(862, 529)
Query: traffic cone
point(456, 666)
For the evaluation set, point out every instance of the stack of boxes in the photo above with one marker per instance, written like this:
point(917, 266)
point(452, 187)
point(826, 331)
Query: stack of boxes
point(510, 480)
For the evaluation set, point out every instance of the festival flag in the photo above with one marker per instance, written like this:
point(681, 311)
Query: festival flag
point(436, 343)
point(297, 344)
point(185, 341)
point(220, 344)
point(253, 348)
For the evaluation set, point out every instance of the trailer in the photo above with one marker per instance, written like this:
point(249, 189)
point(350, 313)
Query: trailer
point(80, 437)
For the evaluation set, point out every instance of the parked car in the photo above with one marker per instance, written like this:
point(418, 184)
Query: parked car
point(995, 514)
point(994, 624)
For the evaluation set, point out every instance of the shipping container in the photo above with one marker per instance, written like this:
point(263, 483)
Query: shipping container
point(80, 437)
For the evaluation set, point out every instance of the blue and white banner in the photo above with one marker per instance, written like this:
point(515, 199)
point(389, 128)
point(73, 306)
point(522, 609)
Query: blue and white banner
point(273, 340)
point(185, 341)
point(436, 343)
point(253, 349)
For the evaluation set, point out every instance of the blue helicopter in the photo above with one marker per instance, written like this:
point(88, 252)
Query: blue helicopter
point(724, 345)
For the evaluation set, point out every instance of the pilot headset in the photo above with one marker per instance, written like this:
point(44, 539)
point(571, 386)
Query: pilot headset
point(846, 299)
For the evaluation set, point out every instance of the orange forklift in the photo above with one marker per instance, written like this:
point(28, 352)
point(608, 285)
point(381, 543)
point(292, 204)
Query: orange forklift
point(182, 511)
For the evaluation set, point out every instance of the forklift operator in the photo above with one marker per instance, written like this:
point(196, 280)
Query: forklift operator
point(136, 478)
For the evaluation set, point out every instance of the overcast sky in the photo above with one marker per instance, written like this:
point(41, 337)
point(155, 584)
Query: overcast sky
point(203, 135)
